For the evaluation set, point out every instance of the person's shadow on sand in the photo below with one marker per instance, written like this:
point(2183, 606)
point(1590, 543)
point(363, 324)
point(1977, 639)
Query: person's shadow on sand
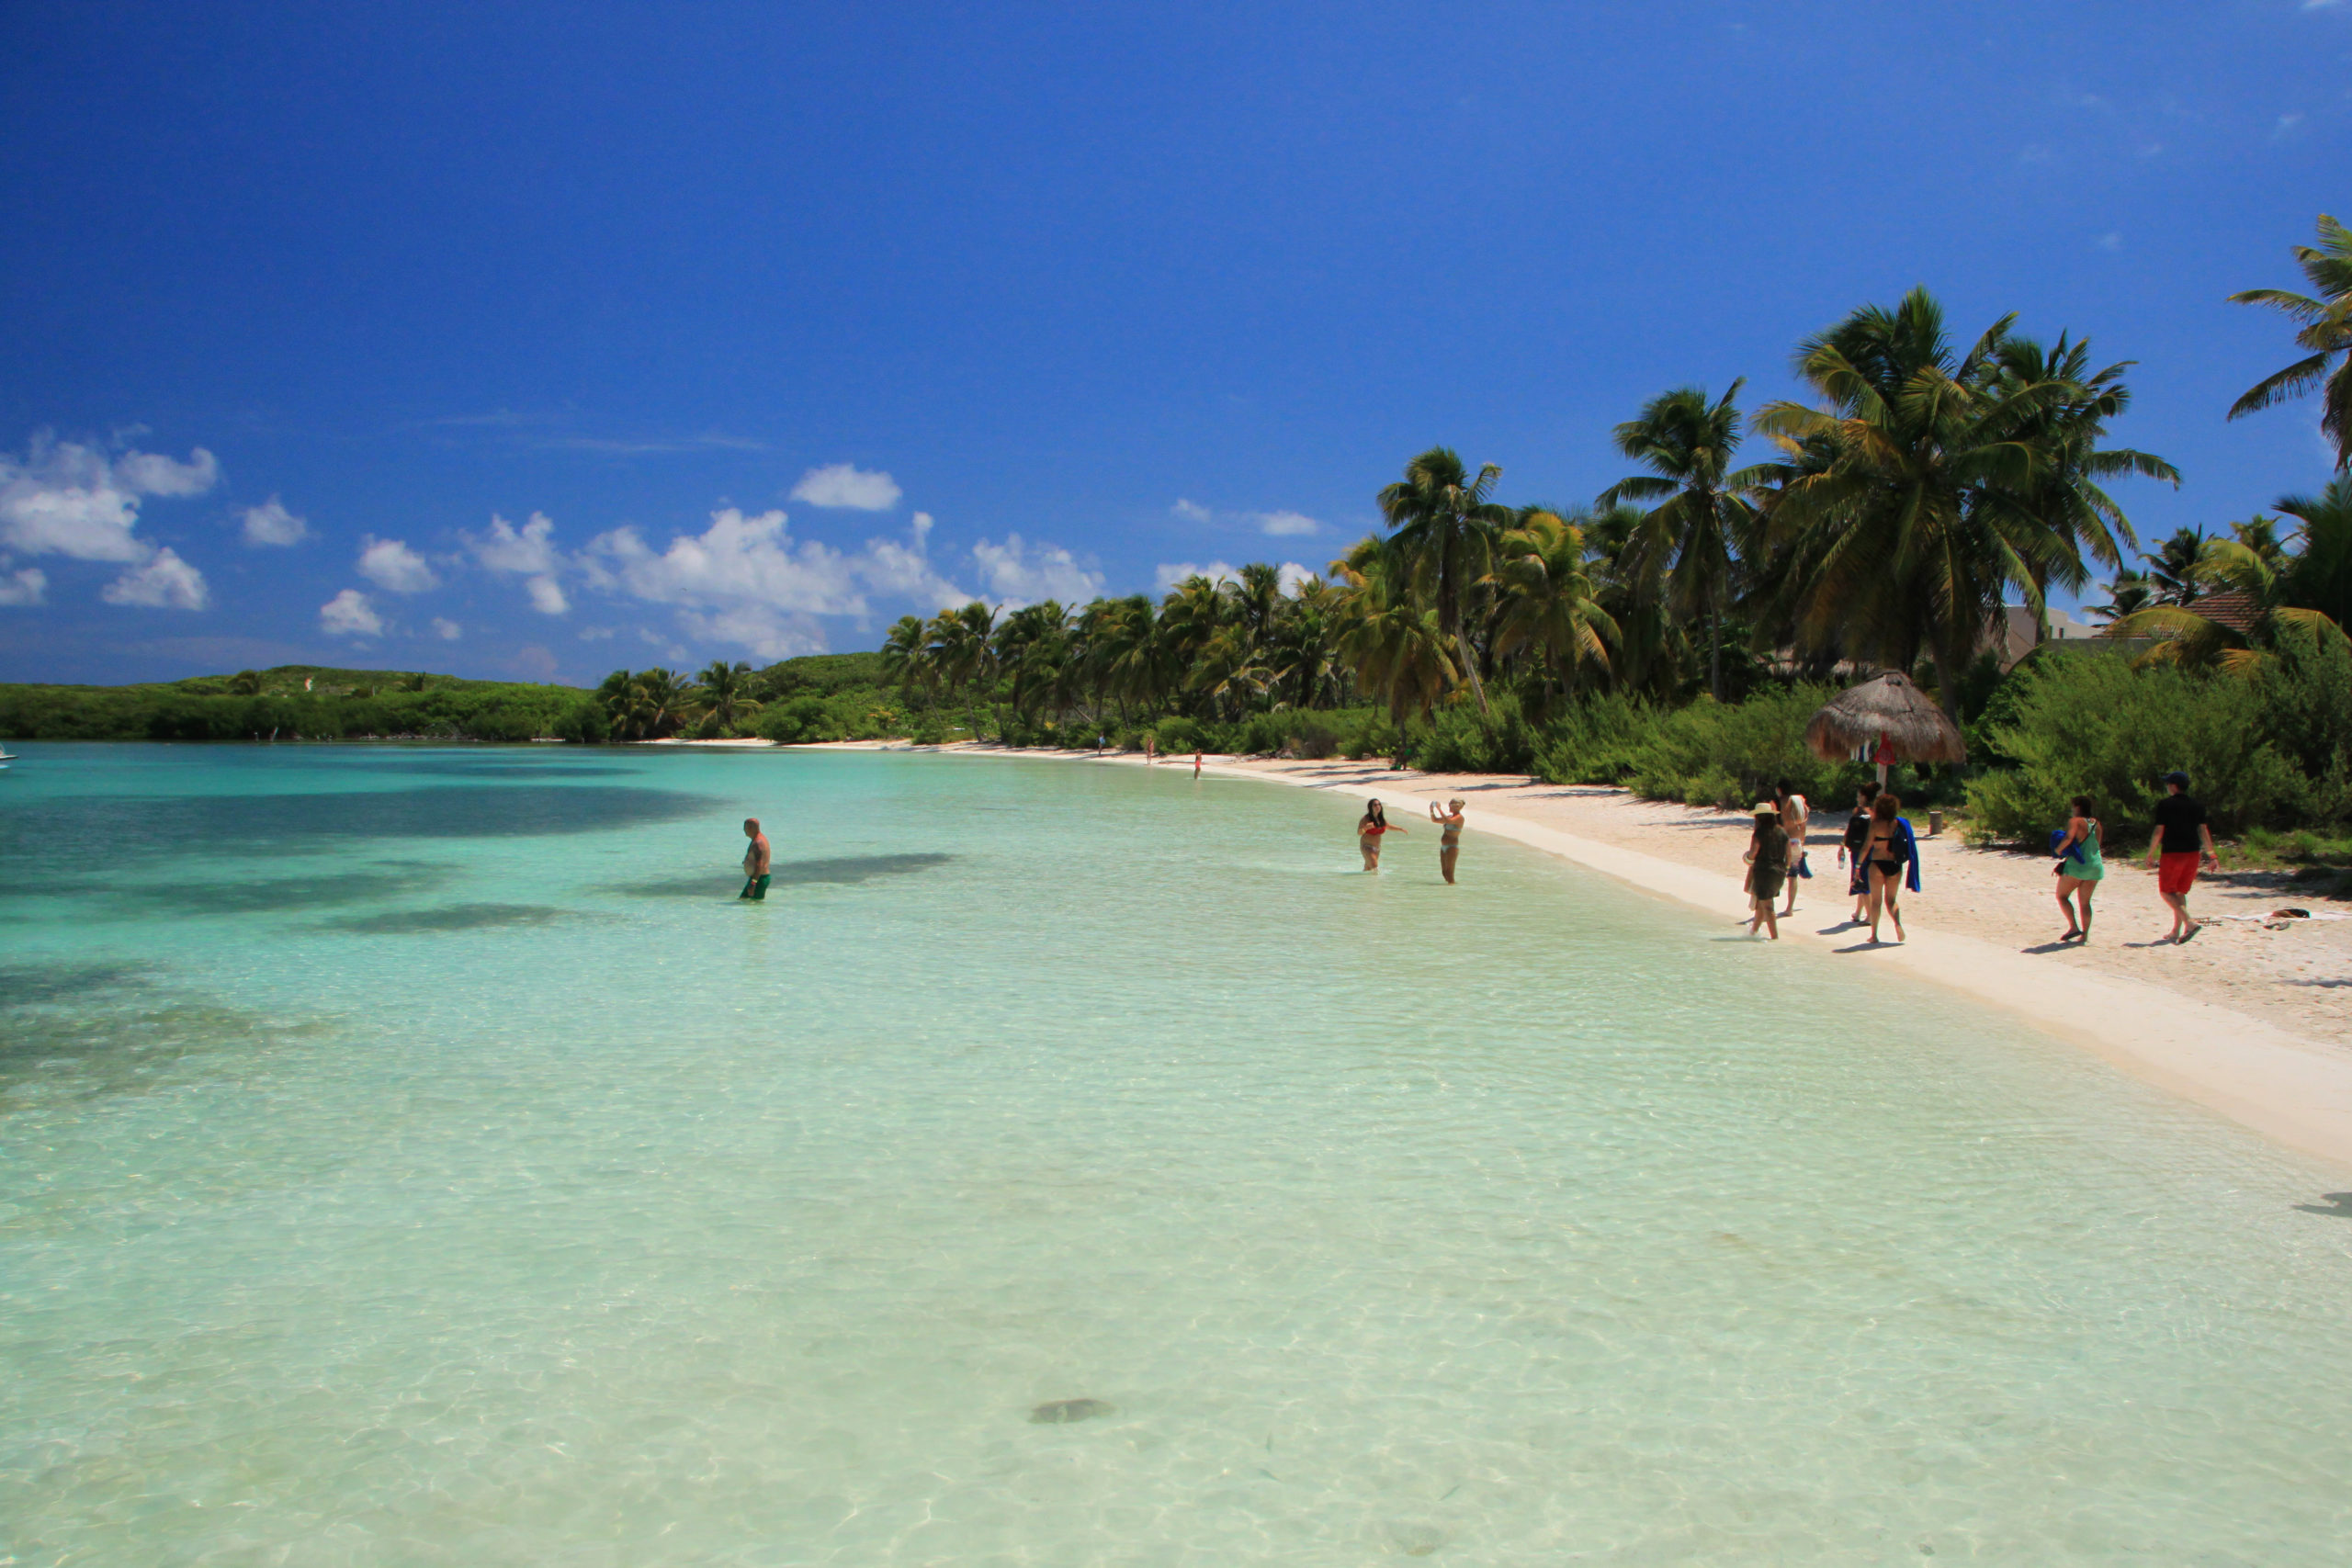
point(2338, 1204)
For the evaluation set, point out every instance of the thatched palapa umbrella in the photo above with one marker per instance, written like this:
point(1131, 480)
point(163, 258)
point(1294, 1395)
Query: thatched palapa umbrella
point(1884, 719)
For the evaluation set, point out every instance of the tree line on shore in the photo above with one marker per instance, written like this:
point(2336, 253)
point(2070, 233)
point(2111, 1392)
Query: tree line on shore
point(1672, 633)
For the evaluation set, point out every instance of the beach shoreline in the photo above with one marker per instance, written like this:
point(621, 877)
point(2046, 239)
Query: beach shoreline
point(2252, 1021)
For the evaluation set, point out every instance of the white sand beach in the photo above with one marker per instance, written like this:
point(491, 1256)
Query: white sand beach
point(2253, 1019)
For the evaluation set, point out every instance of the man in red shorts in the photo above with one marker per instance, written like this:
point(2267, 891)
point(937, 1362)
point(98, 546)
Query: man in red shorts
point(2183, 844)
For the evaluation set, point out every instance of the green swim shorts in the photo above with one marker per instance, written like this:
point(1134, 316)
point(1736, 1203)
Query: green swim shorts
point(755, 890)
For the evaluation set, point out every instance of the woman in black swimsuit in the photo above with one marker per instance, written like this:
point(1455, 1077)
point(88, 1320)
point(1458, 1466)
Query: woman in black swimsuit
point(1883, 851)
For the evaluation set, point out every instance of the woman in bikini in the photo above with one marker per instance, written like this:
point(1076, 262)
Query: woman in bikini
point(2080, 868)
point(1449, 846)
point(1884, 854)
point(1374, 823)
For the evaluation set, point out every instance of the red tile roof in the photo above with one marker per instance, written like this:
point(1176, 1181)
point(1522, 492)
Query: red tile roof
point(2233, 607)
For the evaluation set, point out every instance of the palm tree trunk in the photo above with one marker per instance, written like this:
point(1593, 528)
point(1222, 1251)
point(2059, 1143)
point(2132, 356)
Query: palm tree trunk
point(1714, 649)
point(1470, 664)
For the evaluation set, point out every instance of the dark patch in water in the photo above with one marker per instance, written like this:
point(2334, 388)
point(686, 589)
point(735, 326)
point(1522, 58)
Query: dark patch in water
point(120, 1049)
point(448, 918)
point(843, 871)
point(323, 891)
point(30, 984)
point(56, 836)
point(1058, 1412)
point(491, 767)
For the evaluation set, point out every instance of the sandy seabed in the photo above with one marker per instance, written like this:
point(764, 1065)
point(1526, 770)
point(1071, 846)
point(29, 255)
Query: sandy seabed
point(2253, 1019)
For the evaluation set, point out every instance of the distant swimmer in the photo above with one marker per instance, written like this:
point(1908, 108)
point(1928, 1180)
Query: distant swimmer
point(1196, 764)
point(755, 862)
point(1449, 846)
point(1374, 823)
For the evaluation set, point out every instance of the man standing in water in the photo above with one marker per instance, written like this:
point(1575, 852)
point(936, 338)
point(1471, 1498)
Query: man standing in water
point(755, 862)
point(2183, 845)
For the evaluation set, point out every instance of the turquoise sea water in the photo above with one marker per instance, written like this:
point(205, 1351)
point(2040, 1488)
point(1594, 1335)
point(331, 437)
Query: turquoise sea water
point(418, 1156)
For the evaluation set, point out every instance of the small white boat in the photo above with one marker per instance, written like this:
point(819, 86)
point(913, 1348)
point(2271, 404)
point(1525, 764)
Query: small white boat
point(6, 756)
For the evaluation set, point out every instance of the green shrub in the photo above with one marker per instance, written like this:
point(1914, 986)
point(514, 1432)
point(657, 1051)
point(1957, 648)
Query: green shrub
point(1715, 752)
point(2306, 699)
point(1460, 740)
point(794, 722)
point(2101, 727)
point(1596, 740)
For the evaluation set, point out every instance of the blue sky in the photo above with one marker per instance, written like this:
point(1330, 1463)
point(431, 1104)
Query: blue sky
point(538, 340)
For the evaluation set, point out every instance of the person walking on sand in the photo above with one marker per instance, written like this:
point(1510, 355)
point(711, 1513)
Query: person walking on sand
point(1369, 828)
point(1893, 851)
point(1849, 854)
point(2080, 868)
point(1796, 814)
point(2183, 845)
point(1768, 867)
point(1449, 844)
point(755, 863)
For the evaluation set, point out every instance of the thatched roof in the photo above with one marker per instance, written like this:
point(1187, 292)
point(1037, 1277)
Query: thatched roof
point(1887, 706)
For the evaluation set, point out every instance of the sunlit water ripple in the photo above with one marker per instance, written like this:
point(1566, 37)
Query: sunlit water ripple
point(418, 1156)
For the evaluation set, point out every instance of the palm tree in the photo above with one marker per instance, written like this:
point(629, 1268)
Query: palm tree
point(958, 644)
point(2127, 592)
point(1442, 527)
point(647, 705)
point(1653, 649)
point(906, 655)
point(1303, 657)
point(1547, 603)
point(1190, 616)
point(2309, 587)
point(2326, 332)
point(1948, 479)
point(2177, 571)
point(1694, 537)
point(1400, 651)
point(727, 692)
point(1032, 647)
point(1124, 656)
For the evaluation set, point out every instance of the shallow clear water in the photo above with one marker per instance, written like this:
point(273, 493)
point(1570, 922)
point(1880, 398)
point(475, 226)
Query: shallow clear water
point(417, 1156)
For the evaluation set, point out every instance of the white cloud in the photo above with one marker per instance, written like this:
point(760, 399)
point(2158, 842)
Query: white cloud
point(745, 579)
point(348, 613)
point(152, 473)
point(271, 524)
point(771, 634)
point(25, 586)
point(890, 568)
point(530, 549)
point(546, 596)
point(1168, 574)
point(1019, 572)
point(2110, 241)
point(162, 581)
point(1278, 523)
point(67, 499)
point(595, 634)
point(448, 631)
point(737, 560)
point(843, 484)
point(2286, 127)
point(391, 564)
